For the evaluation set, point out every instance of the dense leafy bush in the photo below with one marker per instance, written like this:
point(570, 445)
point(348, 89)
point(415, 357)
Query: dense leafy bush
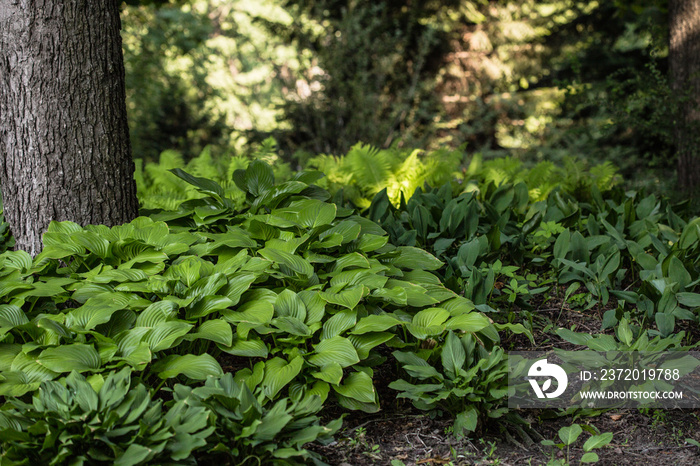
point(111, 423)
point(305, 291)
point(501, 249)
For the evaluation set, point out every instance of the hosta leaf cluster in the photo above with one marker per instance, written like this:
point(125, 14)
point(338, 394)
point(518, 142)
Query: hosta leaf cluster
point(300, 292)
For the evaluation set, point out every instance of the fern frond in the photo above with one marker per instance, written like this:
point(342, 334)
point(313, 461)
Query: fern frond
point(370, 167)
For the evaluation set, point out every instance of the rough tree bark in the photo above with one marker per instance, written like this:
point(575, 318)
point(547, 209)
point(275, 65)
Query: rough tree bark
point(684, 67)
point(64, 140)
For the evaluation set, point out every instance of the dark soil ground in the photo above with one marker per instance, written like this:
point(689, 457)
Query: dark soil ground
point(400, 434)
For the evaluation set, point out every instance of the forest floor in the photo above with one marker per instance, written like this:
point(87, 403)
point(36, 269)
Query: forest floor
point(401, 435)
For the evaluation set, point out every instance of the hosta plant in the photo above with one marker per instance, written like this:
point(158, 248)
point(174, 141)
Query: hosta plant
point(100, 421)
point(294, 287)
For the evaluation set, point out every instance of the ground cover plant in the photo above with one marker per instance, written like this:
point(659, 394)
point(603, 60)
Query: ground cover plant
point(243, 328)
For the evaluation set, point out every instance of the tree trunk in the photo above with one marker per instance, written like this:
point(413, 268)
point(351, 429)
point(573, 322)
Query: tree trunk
point(64, 140)
point(684, 67)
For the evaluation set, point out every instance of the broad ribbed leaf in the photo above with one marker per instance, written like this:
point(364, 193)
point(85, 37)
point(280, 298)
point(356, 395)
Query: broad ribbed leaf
point(364, 343)
point(414, 258)
point(376, 323)
point(207, 305)
point(339, 323)
point(98, 310)
point(216, 330)
point(279, 373)
point(247, 348)
point(76, 357)
point(453, 355)
point(194, 367)
point(12, 316)
point(369, 242)
point(289, 304)
point(331, 373)
point(334, 350)
point(259, 178)
point(348, 229)
point(17, 383)
point(8, 352)
point(430, 317)
point(348, 298)
point(358, 386)
point(292, 325)
point(257, 311)
point(238, 283)
point(352, 260)
point(470, 322)
point(204, 185)
point(296, 263)
point(165, 334)
point(310, 213)
point(156, 313)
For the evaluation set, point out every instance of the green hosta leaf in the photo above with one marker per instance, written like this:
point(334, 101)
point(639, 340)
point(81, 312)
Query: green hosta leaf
point(664, 322)
point(188, 270)
point(364, 343)
point(18, 260)
point(414, 258)
point(431, 317)
point(416, 295)
point(294, 262)
point(310, 213)
point(207, 286)
point(156, 313)
point(247, 348)
point(256, 311)
point(348, 298)
point(339, 323)
point(99, 310)
point(624, 332)
point(292, 325)
point(347, 229)
point(453, 355)
point(259, 178)
point(216, 330)
point(395, 295)
point(76, 357)
point(289, 304)
point(369, 242)
point(165, 335)
point(570, 434)
point(8, 352)
point(315, 306)
point(573, 337)
point(376, 323)
point(421, 333)
point(359, 277)
point(334, 350)
point(598, 441)
point(12, 316)
point(331, 373)
point(41, 289)
point(17, 384)
point(689, 299)
point(279, 373)
point(207, 305)
point(194, 367)
point(204, 185)
point(121, 276)
point(470, 322)
point(358, 386)
point(352, 260)
point(466, 421)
